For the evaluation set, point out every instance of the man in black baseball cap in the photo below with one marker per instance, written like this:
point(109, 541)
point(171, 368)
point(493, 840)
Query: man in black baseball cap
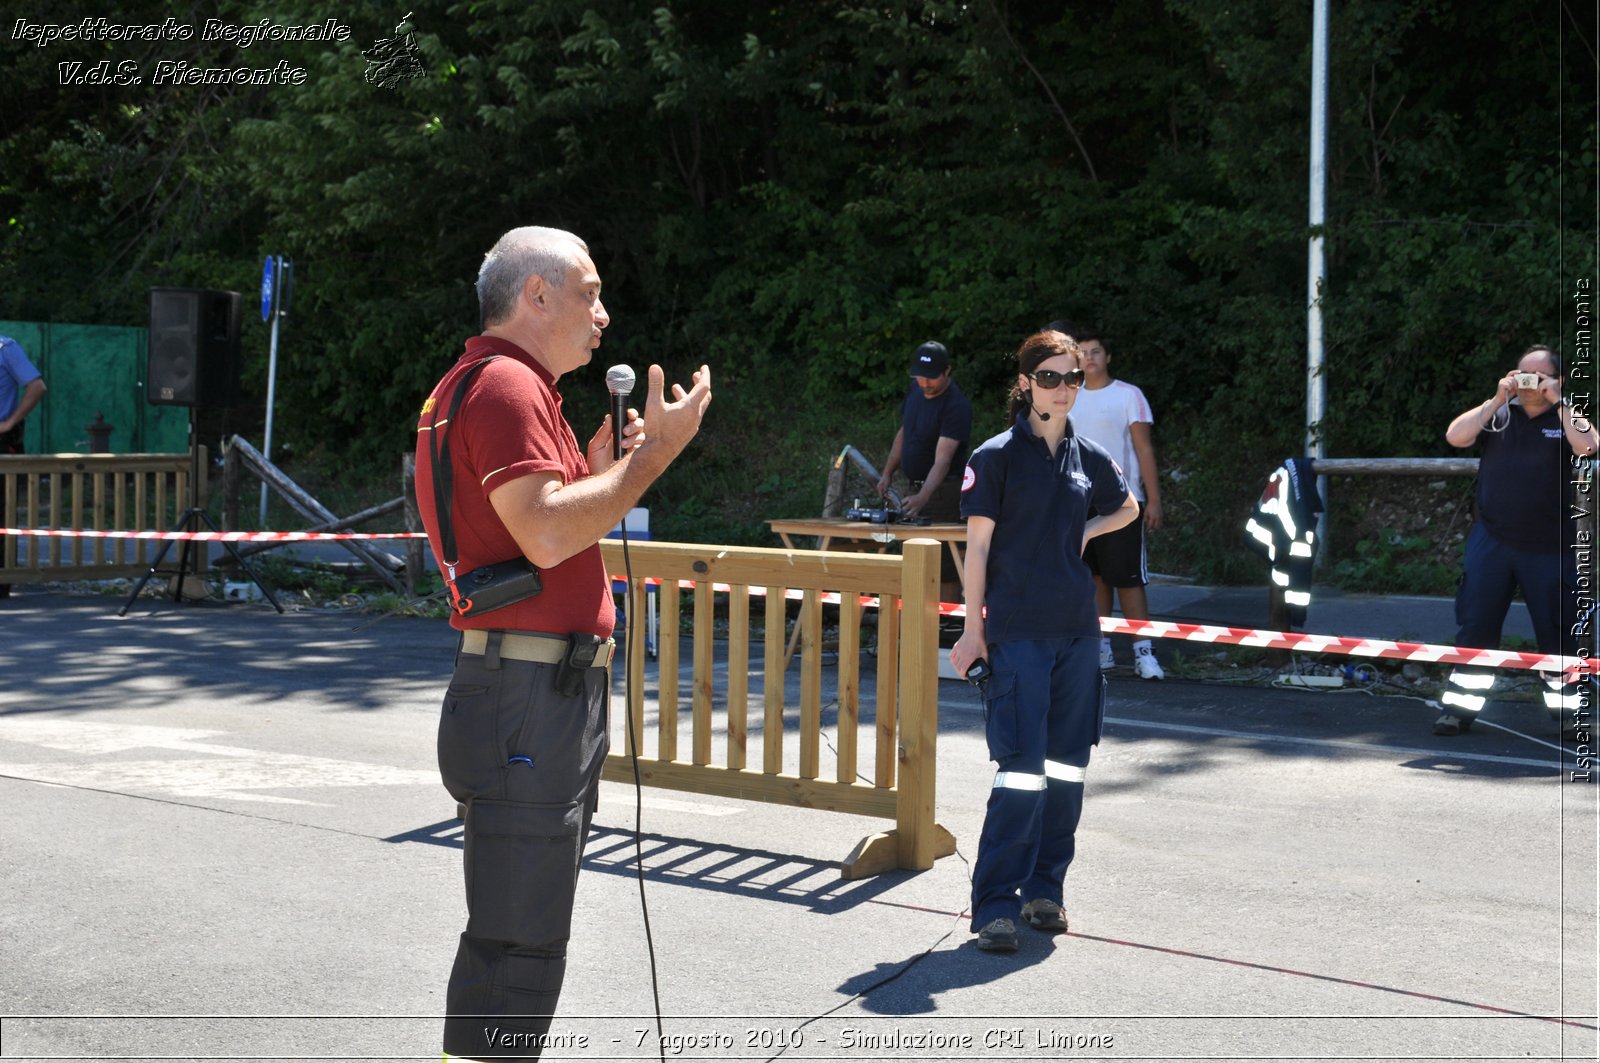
point(931, 448)
point(930, 361)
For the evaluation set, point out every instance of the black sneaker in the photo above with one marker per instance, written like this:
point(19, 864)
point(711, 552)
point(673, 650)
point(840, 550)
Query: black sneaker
point(1452, 725)
point(1045, 915)
point(999, 936)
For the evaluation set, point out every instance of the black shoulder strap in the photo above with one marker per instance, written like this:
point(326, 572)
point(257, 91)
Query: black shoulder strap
point(443, 471)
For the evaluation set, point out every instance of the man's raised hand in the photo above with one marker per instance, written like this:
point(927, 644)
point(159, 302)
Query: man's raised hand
point(673, 424)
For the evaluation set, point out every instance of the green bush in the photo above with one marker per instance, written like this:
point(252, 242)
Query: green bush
point(799, 194)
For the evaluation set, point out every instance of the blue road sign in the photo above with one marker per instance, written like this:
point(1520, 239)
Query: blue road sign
point(269, 274)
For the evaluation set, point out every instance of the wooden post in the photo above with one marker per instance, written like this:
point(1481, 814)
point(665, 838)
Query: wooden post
point(917, 840)
point(8, 544)
point(668, 648)
point(919, 705)
point(704, 671)
point(833, 497)
point(231, 476)
point(772, 681)
point(738, 675)
point(199, 495)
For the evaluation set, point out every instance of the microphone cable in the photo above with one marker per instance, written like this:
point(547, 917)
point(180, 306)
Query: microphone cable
point(620, 380)
point(907, 965)
point(638, 784)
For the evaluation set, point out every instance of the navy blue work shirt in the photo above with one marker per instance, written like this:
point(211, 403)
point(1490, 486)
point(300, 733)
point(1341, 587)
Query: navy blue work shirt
point(1522, 480)
point(1038, 584)
point(924, 420)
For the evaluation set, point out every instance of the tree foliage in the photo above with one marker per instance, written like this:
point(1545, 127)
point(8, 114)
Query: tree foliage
point(799, 194)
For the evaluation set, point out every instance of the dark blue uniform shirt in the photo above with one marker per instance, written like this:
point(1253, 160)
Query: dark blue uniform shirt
point(1038, 584)
point(924, 420)
point(1522, 480)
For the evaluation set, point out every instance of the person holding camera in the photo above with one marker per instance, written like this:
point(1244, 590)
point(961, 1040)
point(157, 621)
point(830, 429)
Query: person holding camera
point(1523, 535)
point(931, 448)
point(514, 510)
point(1032, 626)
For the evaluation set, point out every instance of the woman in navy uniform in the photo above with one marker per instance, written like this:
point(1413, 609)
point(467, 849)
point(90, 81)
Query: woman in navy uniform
point(1027, 496)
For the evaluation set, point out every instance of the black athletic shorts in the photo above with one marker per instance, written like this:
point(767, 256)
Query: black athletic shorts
point(1118, 557)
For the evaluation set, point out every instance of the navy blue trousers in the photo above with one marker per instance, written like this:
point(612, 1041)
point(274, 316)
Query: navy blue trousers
point(1492, 572)
point(1043, 708)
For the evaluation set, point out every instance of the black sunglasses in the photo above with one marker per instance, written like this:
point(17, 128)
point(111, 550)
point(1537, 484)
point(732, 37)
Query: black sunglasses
point(1049, 379)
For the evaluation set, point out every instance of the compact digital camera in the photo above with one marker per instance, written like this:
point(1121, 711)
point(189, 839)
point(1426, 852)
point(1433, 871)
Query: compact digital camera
point(1527, 380)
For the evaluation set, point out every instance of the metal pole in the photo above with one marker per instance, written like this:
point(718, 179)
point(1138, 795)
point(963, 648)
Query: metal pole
point(1316, 267)
point(272, 375)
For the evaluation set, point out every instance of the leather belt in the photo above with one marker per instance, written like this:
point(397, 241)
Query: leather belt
point(543, 649)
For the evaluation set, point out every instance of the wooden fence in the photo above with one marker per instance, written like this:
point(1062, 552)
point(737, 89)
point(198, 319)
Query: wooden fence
point(99, 492)
point(885, 746)
point(788, 765)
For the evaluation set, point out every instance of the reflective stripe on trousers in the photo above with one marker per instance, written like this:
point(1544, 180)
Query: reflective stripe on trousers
point(1562, 696)
point(1021, 780)
point(1467, 690)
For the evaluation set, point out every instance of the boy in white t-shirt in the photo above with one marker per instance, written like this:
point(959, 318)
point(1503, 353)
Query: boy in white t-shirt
point(1116, 415)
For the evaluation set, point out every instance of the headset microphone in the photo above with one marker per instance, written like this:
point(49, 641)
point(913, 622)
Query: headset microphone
point(619, 381)
point(1043, 416)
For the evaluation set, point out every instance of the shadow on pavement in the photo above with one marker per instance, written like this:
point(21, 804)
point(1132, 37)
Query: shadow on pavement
point(921, 978)
point(755, 873)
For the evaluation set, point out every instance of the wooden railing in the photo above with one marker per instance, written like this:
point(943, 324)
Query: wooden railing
point(788, 767)
point(99, 492)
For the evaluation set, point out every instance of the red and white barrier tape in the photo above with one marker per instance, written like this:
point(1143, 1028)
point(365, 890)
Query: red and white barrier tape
point(1280, 640)
point(211, 537)
point(1162, 629)
point(1348, 647)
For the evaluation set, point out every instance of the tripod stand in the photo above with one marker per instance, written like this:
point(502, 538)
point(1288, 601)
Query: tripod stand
point(190, 521)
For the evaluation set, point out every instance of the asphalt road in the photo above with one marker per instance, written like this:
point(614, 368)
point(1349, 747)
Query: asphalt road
point(224, 838)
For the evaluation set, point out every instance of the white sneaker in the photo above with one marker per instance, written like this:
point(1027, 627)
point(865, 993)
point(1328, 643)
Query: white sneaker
point(1146, 665)
point(1107, 660)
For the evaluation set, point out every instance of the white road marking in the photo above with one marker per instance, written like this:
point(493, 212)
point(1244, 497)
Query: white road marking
point(198, 770)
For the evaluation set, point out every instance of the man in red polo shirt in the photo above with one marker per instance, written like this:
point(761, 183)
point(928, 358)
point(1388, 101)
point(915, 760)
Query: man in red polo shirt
point(522, 736)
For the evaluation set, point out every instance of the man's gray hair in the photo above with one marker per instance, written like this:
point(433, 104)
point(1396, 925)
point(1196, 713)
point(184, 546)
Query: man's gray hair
point(515, 257)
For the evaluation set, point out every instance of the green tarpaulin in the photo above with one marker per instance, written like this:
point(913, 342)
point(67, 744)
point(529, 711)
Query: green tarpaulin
point(89, 370)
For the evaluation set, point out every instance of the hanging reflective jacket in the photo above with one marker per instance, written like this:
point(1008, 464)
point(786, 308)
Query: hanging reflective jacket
point(1283, 529)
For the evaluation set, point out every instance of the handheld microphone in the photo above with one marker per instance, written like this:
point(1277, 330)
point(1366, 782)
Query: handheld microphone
point(619, 381)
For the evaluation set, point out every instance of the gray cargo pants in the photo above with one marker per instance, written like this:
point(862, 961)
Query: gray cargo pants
point(526, 763)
